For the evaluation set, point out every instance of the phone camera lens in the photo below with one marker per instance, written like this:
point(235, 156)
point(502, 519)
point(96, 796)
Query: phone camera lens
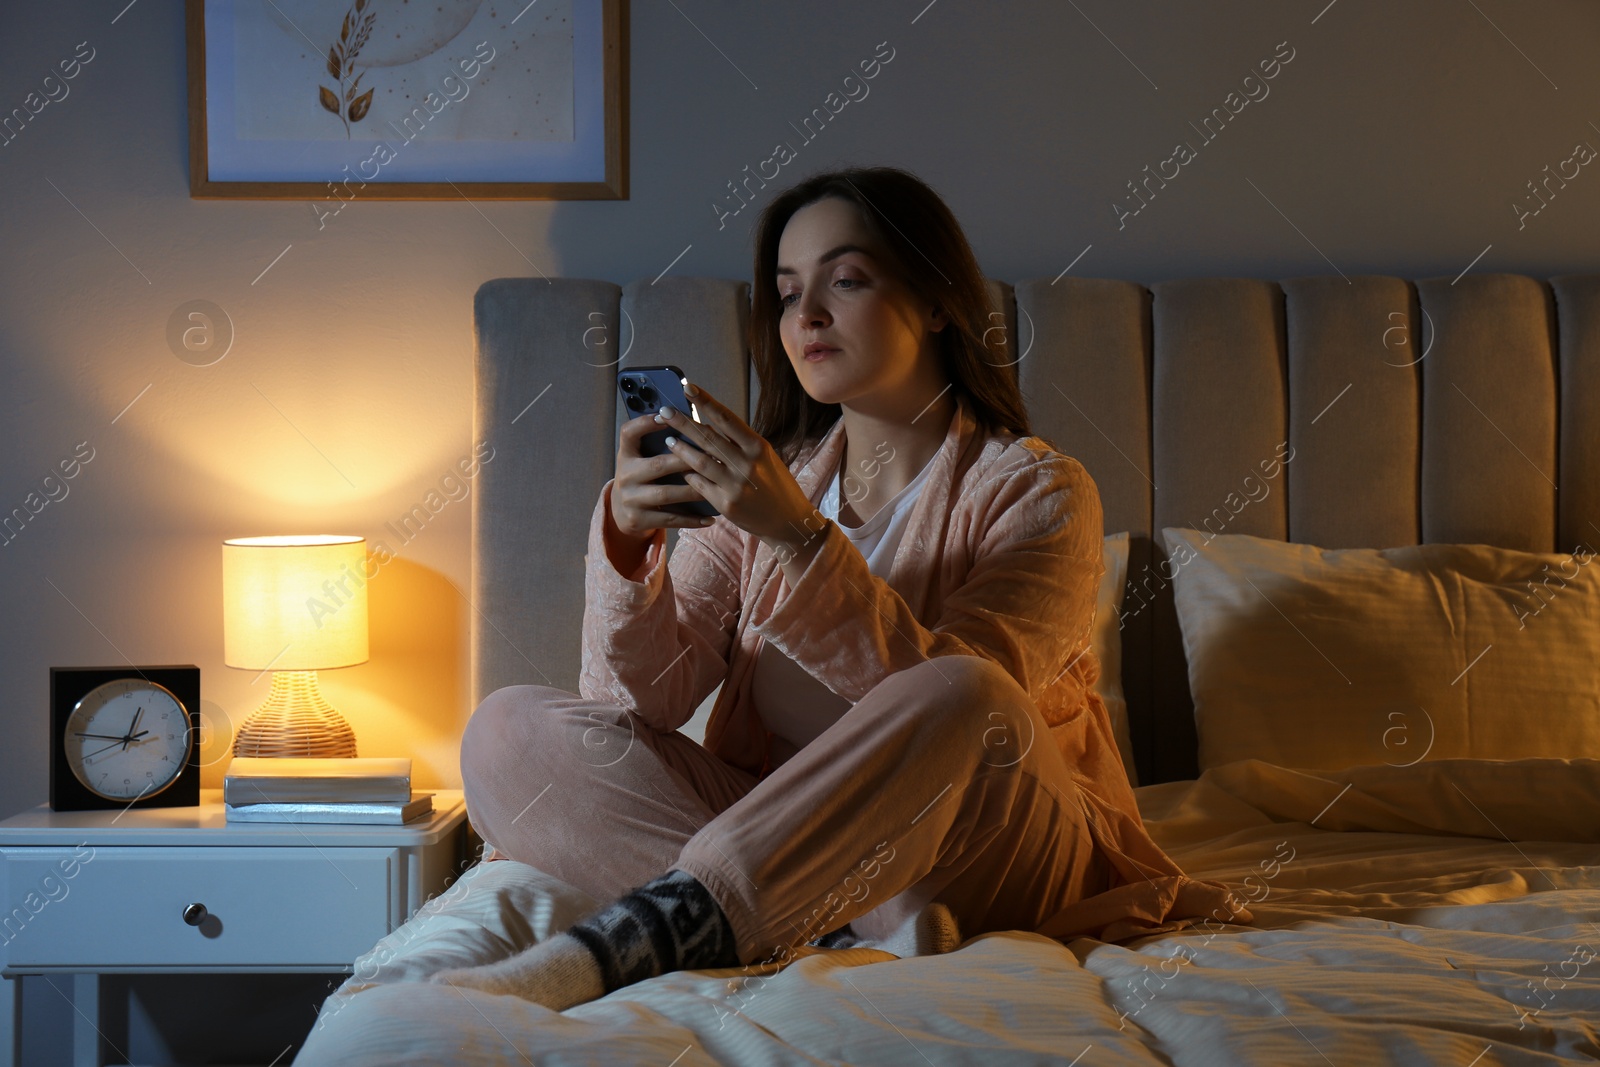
point(648, 395)
point(628, 385)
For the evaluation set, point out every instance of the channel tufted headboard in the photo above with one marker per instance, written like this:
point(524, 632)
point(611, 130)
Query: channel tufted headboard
point(1389, 413)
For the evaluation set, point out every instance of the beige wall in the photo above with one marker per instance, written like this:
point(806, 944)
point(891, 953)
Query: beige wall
point(1395, 140)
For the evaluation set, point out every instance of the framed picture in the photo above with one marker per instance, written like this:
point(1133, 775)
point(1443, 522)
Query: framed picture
point(390, 100)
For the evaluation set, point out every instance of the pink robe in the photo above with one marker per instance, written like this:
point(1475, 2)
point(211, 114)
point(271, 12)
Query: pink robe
point(1002, 559)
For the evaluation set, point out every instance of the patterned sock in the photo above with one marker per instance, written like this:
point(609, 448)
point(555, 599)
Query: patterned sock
point(670, 923)
point(844, 937)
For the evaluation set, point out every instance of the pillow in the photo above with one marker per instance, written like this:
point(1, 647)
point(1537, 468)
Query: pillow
point(1107, 643)
point(1323, 659)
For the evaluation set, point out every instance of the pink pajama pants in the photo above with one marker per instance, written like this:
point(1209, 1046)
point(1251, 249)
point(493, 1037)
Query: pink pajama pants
point(941, 783)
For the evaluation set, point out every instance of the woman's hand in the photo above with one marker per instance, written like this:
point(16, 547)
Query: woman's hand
point(637, 505)
point(743, 477)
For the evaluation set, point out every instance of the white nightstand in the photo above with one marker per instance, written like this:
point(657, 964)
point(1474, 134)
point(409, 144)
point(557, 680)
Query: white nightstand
point(115, 892)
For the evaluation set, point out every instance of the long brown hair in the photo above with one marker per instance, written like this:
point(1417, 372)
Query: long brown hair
point(931, 256)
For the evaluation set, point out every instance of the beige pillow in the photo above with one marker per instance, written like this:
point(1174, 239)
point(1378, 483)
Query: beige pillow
point(1329, 658)
point(1107, 643)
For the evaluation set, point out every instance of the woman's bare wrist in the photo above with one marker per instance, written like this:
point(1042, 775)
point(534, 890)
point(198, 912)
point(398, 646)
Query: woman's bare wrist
point(799, 543)
point(625, 551)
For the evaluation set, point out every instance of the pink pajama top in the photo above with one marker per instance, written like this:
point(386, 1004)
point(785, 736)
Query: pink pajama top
point(1002, 559)
point(795, 707)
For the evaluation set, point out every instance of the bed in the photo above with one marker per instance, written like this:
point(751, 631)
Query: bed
point(1418, 844)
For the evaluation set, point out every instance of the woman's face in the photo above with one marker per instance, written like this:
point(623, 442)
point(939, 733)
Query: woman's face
point(835, 287)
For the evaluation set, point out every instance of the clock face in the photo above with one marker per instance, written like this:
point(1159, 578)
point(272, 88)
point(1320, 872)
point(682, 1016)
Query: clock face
point(127, 739)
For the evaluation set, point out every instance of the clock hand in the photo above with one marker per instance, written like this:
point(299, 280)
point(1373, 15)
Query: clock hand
point(107, 748)
point(130, 735)
point(124, 741)
point(108, 737)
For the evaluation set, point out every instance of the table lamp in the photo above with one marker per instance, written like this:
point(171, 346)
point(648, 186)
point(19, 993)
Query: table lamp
point(294, 605)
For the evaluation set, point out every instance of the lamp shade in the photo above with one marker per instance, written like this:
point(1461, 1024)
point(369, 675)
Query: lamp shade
point(294, 603)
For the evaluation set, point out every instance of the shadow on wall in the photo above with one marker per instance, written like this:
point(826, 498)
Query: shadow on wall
point(420, 625)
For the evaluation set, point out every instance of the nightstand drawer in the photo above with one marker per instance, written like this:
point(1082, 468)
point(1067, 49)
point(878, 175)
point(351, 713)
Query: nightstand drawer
point(124, 906)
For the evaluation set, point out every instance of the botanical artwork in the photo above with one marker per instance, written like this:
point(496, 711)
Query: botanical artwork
point(342, 55)
point(377, 70)
point(407, 100)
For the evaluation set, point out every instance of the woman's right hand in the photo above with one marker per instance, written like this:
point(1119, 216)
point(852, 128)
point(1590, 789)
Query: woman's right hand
point(636, 504)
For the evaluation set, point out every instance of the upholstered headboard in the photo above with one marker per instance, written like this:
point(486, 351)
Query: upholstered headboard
point(1444, 410)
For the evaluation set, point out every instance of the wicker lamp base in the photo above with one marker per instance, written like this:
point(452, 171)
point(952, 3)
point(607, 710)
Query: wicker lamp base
point(295, 721)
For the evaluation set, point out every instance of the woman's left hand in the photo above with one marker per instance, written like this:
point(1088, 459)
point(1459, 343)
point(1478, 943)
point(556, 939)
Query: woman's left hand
point(741, 474)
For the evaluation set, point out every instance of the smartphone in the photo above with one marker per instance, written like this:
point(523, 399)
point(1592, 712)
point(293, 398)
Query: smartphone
point(645, 390)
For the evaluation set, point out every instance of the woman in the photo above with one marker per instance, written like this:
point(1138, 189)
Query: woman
point(896, 597)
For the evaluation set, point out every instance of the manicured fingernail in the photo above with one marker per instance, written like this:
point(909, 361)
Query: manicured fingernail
point(671, 441)
point(690, 389)
point(664, 414)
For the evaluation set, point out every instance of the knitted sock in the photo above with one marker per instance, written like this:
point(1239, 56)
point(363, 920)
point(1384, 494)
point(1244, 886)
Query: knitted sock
point(844, 937)
point(670, 923)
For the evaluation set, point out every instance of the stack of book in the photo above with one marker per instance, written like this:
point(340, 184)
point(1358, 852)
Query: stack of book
point(369, 789)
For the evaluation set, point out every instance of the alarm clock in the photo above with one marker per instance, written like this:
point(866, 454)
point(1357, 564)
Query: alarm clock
point(124, 737)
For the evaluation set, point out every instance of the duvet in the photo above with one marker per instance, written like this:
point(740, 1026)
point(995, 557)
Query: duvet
point(1447, 913)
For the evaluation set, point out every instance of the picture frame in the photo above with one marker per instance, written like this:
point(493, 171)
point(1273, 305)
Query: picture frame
point(312, 100)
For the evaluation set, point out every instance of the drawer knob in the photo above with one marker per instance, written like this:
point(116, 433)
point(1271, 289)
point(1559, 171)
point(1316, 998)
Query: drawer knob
point(194, 914)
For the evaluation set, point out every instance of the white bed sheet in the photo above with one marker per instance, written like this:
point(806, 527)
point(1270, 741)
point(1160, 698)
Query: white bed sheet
point(1444, 913)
